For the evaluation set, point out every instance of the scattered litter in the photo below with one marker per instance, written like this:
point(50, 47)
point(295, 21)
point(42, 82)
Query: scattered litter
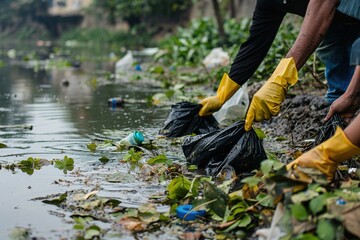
point(116, 102)
point(217, 57)
point(133, 139)
point(184, 212)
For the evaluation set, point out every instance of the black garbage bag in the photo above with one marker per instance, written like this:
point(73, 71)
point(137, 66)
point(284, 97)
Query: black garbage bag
point(328, 129)
point(200, 149)
point(229, 146)
point(245, 156)
point(184, 120)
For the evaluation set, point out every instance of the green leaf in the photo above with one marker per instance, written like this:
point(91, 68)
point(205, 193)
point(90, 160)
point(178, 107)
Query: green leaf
point(306, 236)
point(317, 204)
point(78, 227)
point(299, 212)
point(66, 164)
point(160, 159)
point(251, 181)
point(178, 188)
point(219, 198)
point(132, 156)
point(57, 200)
point(260, 133)
point(19, 233)
point(325, 230)
point(148, 213)
point(2, 145)
point(192, 167)
point(28, 166)
point(265, 200)
point(92, 232)
point(104, 159)
point(245, 220)
point(92, 147)
point(266, 166)
point(304, 196)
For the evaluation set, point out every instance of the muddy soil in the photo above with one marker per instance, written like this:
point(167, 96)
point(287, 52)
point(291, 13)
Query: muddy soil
point(296, 126)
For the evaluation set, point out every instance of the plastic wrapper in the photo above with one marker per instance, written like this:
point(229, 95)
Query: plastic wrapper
point(184, 120)
point(234, 109)
point(230, 146)
point(328, 129)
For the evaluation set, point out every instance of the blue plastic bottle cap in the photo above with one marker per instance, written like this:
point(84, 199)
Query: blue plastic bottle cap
point(340, 201)
point(184, 212)
point(138, 137)
point(138, 67)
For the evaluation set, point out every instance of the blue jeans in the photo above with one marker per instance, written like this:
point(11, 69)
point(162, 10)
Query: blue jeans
point(355, 53)
point(335, 51)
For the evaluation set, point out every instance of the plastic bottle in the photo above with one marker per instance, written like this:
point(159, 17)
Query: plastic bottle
point(134, 138)
point(116, 102)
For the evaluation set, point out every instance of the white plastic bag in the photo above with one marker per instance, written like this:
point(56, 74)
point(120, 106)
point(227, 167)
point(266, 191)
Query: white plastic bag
point(235, 108)
point(216, 57)
point(124, 65)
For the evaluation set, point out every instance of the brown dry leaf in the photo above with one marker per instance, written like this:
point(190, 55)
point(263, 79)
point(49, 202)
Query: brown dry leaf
point(133, 224)
point(301, 227)
point(90, 194)
point(350, 213)
point(227, 224)
point(250, 192)
point(191, 236)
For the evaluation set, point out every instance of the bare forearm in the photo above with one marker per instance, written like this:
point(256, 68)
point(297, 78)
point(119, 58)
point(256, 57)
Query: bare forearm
point(353, 89)
point(318, 17)
point(353, 131)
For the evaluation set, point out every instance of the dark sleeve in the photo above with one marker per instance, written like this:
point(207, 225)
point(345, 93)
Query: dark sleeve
point(265, 24)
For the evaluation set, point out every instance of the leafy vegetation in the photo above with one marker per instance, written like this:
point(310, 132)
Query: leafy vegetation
point(66, 164)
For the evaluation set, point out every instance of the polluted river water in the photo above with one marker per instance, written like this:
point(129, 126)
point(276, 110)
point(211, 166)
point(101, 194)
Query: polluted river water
point(56, 113)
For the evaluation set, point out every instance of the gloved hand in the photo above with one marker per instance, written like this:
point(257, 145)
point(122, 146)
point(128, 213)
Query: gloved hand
point(226, 89)
point(266, 102)
point(327, 156)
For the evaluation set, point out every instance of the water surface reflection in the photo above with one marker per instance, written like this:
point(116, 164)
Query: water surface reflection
point(67, 111)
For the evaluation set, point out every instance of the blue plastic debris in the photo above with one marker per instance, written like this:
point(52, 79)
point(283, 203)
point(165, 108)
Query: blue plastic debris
point(184, 212)
point(340, 202)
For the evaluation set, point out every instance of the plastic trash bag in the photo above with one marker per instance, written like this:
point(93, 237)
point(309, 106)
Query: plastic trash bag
point(328, 129)
point(235, 108)
point(184, 119)
point(245, 156)
point(202, 149)
point(229, 146)
point(216, 57)
point(124, 65)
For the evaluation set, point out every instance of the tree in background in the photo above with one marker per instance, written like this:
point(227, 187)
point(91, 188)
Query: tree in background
point(136, 12)
point(21, 14)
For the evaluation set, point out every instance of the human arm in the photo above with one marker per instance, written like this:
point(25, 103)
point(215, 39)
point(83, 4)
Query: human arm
point(317, 19)
point(265, 24)
point(266, 102)
point(348, 103)
point(328, 155)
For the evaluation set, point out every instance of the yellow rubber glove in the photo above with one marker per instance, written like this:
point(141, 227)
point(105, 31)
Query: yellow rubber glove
point(327, 156)
point(226, 89)
point(266, 102)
